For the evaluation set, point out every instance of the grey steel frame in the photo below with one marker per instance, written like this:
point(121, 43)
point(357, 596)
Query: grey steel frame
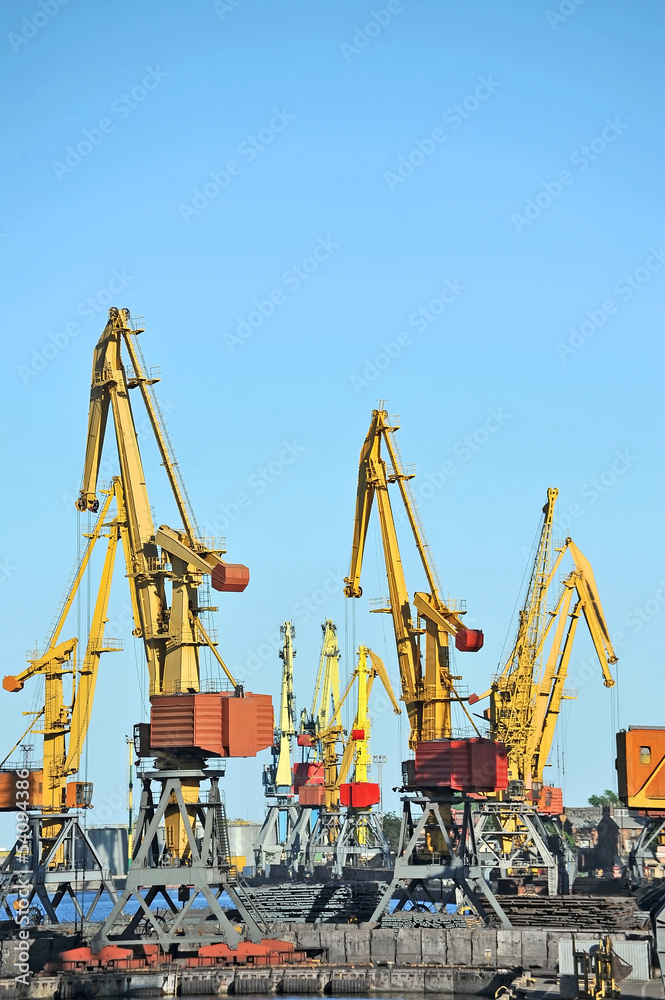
point(54, 870)
point(206, 875)
point(459, 867)
point(512, 839)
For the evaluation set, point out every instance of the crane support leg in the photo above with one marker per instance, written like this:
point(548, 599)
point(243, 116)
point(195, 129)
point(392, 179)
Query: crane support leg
point(66, 867)
point(361, 837)
point(513, 841)
point(295, 847)
point(178, 882)
point(644, 860)
point(436, 864)
point(275, 836)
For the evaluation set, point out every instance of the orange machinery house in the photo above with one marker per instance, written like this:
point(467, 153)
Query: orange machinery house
point(640, 767)
point(9, 789)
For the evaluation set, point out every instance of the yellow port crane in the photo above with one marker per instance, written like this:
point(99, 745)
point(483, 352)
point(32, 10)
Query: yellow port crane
point(423, 629)
point(525, 702)
point(66, 719)
point(58, 843)
point(332, 830)
point(427, 692)
point(171, 634)
point(330, 734)
point(166, 569)
point(526, 697)
point(282, 816)
point(288, 826)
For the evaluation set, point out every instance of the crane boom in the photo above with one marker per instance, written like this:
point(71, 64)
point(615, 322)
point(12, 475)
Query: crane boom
point(171, 635)
point(373, 482)
point(326, 689)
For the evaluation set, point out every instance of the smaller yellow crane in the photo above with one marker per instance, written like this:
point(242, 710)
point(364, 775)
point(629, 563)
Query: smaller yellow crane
point(423, 627)
point(357, 832)
point(271, 845)
point(525, 698)
point(59, 843)
point(525, 702)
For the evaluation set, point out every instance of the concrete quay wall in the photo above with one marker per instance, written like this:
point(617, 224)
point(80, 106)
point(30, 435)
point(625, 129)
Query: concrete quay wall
point(356, 945)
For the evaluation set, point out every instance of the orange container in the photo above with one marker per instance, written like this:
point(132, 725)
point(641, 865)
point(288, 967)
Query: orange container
point(216, 723)
point(78, 795)
point(8, 790)
point(639, 764)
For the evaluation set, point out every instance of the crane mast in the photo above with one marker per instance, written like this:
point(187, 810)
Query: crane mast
point(511, 715)
point(326, 690)
point(283, 778)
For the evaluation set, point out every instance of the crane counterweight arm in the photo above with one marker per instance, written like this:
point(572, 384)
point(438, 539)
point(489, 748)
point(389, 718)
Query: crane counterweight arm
point(446, 620)
point(55, 658)
point(593, 611)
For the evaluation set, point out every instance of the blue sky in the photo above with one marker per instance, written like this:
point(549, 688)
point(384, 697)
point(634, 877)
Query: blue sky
point(452, 206)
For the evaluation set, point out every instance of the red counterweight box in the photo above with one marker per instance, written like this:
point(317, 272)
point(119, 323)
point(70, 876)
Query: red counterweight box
point(311, 795)
point(359, 794)
point(469, 640)
point(474, 765)
point(230, 577)
point(217, 723)
point(307, 774)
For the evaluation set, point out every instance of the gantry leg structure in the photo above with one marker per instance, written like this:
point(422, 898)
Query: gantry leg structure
point(54, 862)
point(277, 839)
point(361, 836)
point(295, 848)
point(324, 835)
point(643, 856)
point(513, 840)
point(437, 864)
point(188, 889)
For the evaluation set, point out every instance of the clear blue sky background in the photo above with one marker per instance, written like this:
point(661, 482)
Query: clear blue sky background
point(482, 205)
